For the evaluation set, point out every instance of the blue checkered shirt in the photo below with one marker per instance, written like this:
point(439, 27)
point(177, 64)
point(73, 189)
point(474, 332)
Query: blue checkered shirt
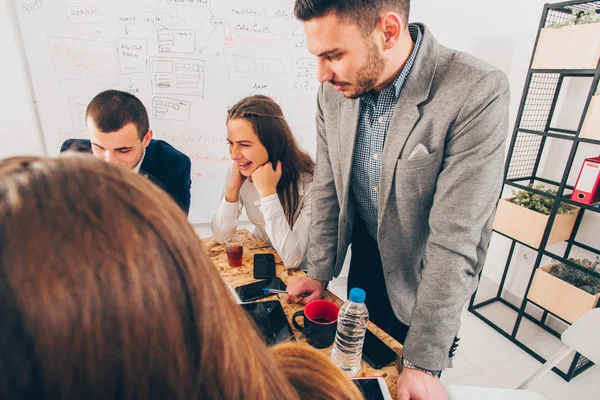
point(375, 115)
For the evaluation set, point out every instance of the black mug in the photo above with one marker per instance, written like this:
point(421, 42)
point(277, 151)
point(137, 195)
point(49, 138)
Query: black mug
point(320, 323)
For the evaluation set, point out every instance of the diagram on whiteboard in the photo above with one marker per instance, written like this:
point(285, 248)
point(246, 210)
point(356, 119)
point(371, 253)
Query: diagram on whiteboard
point(171, 109)
point(133, 55)
point(190, 2)
point(188, 61)
point(120, 15)
point(257, 63)
point(177, 41)
point(177, 76)
point(77, 107)
point(76, 59)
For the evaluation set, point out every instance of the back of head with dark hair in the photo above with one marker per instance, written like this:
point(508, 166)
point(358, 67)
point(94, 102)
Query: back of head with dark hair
point(364, 13)
point(111, 110)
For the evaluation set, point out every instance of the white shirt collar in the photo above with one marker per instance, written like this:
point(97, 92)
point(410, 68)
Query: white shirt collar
point(136, 169)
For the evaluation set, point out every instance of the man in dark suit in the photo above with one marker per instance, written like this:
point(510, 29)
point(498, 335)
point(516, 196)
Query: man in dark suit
point(119, 131)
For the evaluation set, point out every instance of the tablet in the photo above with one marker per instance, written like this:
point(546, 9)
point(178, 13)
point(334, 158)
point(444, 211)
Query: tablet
point(270, 320)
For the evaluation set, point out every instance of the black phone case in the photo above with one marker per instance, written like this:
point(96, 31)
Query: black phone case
point(264, 266)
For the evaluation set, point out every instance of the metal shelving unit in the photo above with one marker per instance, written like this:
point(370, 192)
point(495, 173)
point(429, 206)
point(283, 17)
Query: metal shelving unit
point(532, 130)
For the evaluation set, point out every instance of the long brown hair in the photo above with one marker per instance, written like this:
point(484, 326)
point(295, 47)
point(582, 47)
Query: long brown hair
point(275, 134)
point(303, 364)
point(106, 293)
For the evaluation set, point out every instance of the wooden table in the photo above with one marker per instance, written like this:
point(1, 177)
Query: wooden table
point(244, 274)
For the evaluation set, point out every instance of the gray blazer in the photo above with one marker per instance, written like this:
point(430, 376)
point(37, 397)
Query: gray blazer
point(435, 211)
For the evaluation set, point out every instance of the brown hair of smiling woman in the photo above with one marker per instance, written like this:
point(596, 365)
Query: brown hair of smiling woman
point(275, 134)
point(106, 293)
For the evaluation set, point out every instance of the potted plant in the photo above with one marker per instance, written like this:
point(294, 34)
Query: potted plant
point(572, 44)
point(525, 216)
point(591, 124)
point(566, 291)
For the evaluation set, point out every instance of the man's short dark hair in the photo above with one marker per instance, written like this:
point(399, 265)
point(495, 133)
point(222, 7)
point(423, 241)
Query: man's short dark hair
point(364, 13)
point(111, 110)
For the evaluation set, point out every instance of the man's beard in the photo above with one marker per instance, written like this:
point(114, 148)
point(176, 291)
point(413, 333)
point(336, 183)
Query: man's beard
point(368, 75)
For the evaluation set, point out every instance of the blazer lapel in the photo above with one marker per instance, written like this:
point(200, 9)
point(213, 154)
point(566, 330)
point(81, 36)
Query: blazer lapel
point(349, 111)
point(148, 167)
point(406, 114)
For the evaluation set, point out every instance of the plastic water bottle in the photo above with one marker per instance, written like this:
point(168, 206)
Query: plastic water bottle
point(351, 329)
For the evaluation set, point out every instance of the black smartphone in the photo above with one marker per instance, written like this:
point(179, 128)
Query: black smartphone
point(376, 352)
point(373, 388)
point(254, 290)
point(264, 266)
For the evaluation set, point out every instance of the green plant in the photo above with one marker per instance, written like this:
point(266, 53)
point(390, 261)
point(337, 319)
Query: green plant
point(582, 280)
point(579, 17)
point(538, 202)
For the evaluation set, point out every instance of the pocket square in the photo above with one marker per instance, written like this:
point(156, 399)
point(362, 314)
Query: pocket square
point(419, 151)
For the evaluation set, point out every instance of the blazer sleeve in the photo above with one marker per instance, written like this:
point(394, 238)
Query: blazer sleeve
point(323, 233)
point(181, 187)
point(464, 203)
point(66, 145)
point(290, 243)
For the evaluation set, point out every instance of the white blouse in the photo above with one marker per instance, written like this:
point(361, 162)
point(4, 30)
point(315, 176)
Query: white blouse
point(270, 221)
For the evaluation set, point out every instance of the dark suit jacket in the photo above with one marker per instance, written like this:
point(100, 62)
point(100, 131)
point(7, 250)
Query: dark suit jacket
point(163, 164)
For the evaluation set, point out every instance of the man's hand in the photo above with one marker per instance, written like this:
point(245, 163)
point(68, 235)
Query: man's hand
point(417, 385)
point(265, 178)
point(297, 286)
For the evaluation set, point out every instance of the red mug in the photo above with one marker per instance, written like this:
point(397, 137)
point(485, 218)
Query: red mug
point(320, 322)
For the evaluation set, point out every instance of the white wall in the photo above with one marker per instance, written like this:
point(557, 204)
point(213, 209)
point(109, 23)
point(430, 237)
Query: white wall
point(523, 22)
point(18, 123)
point(478, 27)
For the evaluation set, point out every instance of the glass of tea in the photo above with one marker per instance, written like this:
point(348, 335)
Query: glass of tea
point(235, 249)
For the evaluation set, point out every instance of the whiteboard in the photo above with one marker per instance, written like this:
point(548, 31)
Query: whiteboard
point(187, 60)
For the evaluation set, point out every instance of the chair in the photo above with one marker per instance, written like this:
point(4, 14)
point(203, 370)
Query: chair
point(578, 337)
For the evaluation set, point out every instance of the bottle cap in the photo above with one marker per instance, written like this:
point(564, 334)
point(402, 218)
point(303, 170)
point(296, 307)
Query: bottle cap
point(357, 295)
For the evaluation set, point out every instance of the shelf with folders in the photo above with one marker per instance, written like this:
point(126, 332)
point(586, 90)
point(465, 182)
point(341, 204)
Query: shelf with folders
point(548, 149)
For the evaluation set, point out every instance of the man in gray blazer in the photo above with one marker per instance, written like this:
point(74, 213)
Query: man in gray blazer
point(410, 152)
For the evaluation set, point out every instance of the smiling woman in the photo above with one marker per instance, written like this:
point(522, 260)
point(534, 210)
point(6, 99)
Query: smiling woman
point(246, 149)
point(270, 176)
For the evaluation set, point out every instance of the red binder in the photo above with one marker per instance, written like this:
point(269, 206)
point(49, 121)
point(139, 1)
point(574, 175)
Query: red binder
point(587, 188)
